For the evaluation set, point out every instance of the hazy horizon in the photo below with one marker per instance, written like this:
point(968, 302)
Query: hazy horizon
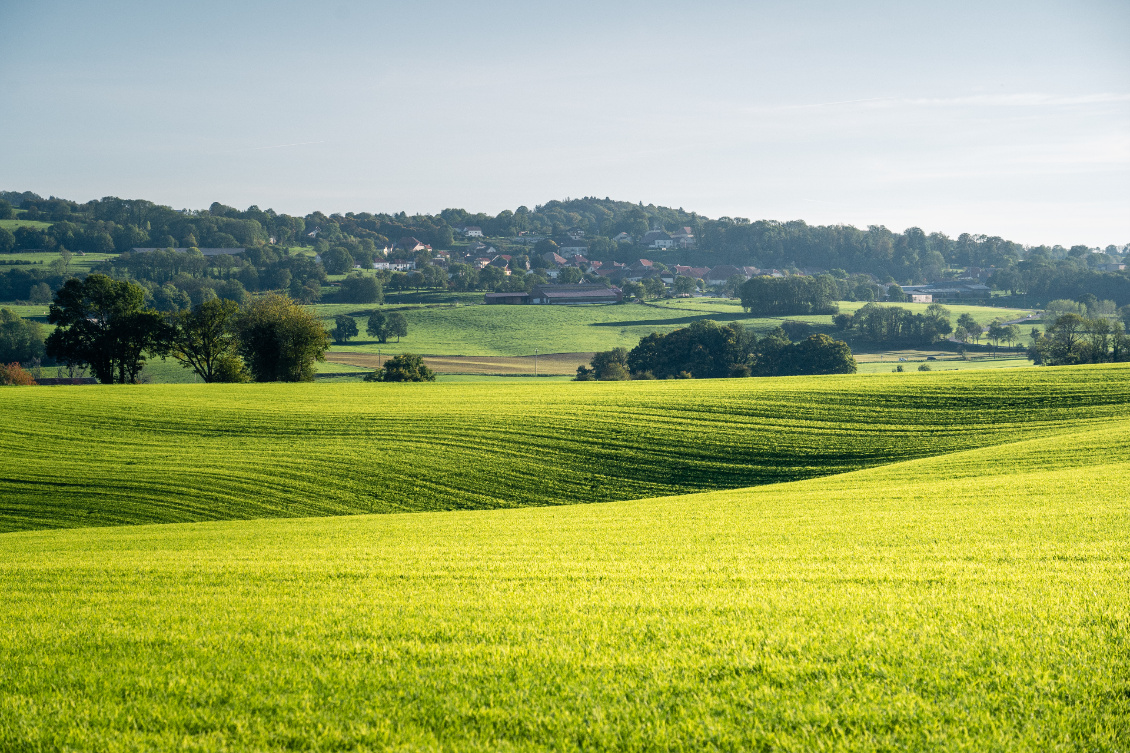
point(999, 118)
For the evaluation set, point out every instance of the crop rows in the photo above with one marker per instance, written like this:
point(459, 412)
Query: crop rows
point(968, 602)
point(120, 455)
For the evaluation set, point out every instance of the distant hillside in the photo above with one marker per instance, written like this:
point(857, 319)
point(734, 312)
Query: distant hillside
point(609, 230)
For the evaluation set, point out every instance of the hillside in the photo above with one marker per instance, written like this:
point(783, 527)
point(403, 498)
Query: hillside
point(177, 453)
point(964, 602)
point(517, 330)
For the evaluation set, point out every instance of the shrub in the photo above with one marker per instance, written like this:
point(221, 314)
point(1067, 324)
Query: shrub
point(407, 367)
point(13, 375)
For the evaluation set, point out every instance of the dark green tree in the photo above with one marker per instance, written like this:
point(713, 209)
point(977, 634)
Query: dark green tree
point(609, 366)
point(362, 288)
point(280, 341)
point(397, 325)
point(205, 340)
point(345, 327)
point(406, 367)
point(102, 323)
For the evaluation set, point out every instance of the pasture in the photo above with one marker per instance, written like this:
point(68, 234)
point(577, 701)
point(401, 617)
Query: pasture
point(517, 330)
point(963, 602)
point(112, 455)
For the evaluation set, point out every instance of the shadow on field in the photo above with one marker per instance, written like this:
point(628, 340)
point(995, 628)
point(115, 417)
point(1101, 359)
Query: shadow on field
point(677, 320)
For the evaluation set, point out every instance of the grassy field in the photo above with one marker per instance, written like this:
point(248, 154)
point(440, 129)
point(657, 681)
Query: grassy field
point(974, 601)
point(517, 330)
point(174, 453)
point(13, 224)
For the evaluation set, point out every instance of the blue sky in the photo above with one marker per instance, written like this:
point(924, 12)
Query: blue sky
point(1004, 118)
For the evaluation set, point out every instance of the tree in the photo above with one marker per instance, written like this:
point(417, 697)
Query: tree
point(397, 325)
point(775, 296)
point(570, 276)
point(609, 365)
point(20, 339)
point(972, 327)
point(378, 326)
point(406, 367)
point(634, 290)
point(345, 327)
point(204, 340)
point(683, 285)
point(102, 322)
point(359, 288)
point(337, 260)
point(279, 340)
point(1011, 334)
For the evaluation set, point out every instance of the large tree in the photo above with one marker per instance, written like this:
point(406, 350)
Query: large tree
point(280, 340)
point(102, 323)
point(204, 340)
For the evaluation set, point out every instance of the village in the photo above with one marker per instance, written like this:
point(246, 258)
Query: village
point(571, 277)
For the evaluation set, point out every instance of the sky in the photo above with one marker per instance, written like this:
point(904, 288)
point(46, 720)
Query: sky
point(1002, 118)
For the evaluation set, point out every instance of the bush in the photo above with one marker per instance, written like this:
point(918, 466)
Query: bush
point(925, 367)
point(407, 367)
point(13, 375)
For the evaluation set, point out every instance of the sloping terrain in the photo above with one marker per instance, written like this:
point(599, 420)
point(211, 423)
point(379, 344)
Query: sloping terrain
point(973, 601)
point(178, 453)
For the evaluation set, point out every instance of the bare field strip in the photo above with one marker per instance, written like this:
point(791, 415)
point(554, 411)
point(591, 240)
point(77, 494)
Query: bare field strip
point(550, 364)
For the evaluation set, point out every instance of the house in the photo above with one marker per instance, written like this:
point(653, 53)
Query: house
point(472, 231)
point(574, 294)
point(623, 238)
point(921, 298)
point(570, 247)
point(553, 258)
point(411, 245)
point(693, 272)
point(482, 249)
point(395, 265)
point(575, 233)
point(508, 299)
point(723, 272)
point(683, 238)
point(657, 239)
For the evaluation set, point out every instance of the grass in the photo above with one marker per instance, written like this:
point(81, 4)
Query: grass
point(974, 601)
point(517, 330)
point(13, 224)
point(178, 453)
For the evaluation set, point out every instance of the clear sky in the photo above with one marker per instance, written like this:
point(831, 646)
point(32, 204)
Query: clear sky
point(1004, 118)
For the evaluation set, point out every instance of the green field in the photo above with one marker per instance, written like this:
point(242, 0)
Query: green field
point(79, 264)
point(968, 600)
point(13, 224)
point(518, 330)
point(176, 453)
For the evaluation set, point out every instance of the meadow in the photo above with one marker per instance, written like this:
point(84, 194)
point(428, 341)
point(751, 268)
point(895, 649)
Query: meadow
point(518, 330)
point(969, 601)
point(112, 455)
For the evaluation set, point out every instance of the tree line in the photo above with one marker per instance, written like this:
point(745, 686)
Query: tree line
point(707, 350)
point(911, 256)
point(103, 324)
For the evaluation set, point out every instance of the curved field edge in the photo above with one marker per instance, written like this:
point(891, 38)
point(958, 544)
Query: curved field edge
point(974, 601)
point(176, 453)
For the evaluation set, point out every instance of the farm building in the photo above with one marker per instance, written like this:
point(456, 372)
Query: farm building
point(572, 294)
point(949, 291)
point(510, 299)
